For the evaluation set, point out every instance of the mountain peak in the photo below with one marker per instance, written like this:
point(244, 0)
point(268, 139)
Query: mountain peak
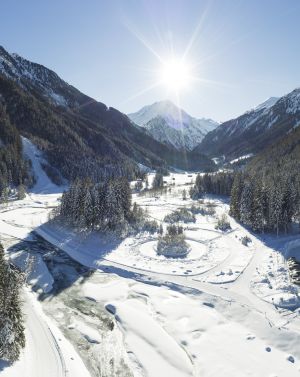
point(169, 124)
point(267, 103)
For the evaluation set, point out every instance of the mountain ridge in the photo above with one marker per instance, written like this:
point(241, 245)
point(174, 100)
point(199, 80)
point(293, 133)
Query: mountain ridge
point(79, 135)
point(171, 125)
point(254, 130)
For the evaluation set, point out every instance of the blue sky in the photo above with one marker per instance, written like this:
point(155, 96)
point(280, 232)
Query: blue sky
point(243, 51)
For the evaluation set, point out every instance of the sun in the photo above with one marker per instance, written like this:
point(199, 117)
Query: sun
point(175, 74)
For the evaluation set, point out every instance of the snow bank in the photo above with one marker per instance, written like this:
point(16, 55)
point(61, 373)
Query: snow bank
point(35, 268)
point(163, 328)
point(271, 281)
point(155, 350)
point(43, 184)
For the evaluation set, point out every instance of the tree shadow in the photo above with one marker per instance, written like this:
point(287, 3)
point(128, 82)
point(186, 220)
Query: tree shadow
point(4, 364)
point(276, 242)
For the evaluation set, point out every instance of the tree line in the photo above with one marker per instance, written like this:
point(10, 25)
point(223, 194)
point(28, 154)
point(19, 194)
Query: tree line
point(266, 203)
point(214, 183)
point(265, 196)
point(105, 207)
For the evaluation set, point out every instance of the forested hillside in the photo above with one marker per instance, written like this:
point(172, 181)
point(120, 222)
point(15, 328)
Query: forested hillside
point(254, 130)
point(80, 136)
point(267, 195)
point(13, 168)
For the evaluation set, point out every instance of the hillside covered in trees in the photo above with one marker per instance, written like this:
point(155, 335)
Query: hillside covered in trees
point(13, 168)
point(266, 194)
point(80, 136)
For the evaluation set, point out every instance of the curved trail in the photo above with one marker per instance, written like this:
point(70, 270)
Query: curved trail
point(47, 360)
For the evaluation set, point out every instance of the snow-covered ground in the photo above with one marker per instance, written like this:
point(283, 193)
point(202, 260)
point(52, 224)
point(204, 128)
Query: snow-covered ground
point(225, 310)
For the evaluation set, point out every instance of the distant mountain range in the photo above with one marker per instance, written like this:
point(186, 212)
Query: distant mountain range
point(172, 126)
point(254, 130)
point(79, 135)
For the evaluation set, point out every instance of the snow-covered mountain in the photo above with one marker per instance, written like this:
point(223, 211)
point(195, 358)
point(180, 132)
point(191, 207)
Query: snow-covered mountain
point(267, 103)
point(254, 130)
point(79, 135)
point(36, 76)
point(171, 125)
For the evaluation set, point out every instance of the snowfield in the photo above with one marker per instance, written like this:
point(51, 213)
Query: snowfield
point(114, 307)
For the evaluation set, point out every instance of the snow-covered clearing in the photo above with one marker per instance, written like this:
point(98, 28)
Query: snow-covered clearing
point(224, 310)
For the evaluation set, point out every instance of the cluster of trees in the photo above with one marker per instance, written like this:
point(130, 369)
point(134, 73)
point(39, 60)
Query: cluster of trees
point(172, 243)
point(265, 203)
point(158, 181)
point(266, 196)
point(214, 183)
point(182, 214)
point(104, 207)
point(12, 337)
point(223, 223)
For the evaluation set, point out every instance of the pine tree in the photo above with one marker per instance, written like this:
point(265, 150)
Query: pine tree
point(236, 193)
point(12, 337)
point(246, 206)
point(259, 208)
point(158, 181)
point(21, 192)
point(88, 210)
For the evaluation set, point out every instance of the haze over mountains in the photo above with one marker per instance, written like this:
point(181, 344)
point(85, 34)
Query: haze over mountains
point(169, 124)
point(79, 135)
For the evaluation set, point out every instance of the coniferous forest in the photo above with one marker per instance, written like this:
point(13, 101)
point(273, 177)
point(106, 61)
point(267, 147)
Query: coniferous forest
point(14, 170)
point(265, 195)
point(104, 207)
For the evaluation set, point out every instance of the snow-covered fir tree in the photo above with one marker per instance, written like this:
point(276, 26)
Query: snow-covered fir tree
point(12, 337)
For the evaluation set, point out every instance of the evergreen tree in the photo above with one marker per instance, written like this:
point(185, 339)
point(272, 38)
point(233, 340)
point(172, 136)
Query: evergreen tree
point(12, 337)
point(246, 207)
point(158, 181)
point(259, 209)
point(236, 193)
point(21, 192)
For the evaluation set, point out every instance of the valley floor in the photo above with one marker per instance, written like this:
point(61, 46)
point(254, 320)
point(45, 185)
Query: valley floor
point(107, 308)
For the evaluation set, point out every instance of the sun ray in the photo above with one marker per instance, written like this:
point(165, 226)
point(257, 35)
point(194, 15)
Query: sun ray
point(196, 32)
point(142, 39)
point(140, 93)
point(209, 82)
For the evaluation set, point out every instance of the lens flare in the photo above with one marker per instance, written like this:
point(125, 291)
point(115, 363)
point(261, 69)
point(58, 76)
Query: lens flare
point(175, 74)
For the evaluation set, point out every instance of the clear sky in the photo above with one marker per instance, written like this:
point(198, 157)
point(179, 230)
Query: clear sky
point(242, 51)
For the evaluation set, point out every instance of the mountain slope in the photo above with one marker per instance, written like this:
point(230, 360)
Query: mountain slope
point(171, 125)
point(80, 136)
point(13, 168)
point(254, 130)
